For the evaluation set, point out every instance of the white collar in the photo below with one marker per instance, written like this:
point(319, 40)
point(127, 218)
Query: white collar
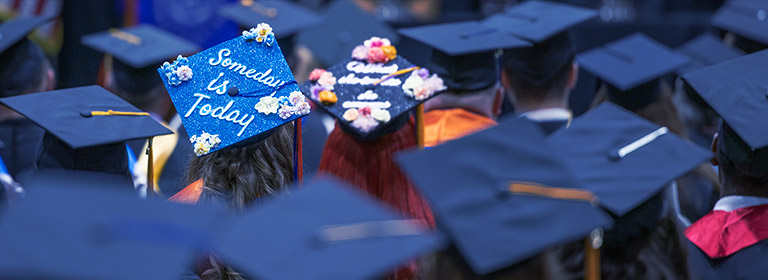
point(733, 202)
point(547, 114)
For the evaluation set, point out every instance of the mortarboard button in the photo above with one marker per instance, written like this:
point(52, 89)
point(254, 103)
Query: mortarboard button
point(139, 46)
point(12, 31)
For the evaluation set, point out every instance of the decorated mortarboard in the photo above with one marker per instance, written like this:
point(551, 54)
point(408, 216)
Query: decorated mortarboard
point(464, 52)
point(333, 231)
point(284, 16)
point(704, 51)
point(86, 116)
point(92, 233)
point(234, 93)
point(623, 158)
point(139, 46)
point(537, 21)
point(12, 31)
point(738, 91)
point(502, 195)
point(344, 25)
point(748, 18)
point(372, 91)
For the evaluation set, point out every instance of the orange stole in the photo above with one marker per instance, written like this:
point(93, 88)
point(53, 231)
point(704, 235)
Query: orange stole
point(444, 125)
point(190, 194)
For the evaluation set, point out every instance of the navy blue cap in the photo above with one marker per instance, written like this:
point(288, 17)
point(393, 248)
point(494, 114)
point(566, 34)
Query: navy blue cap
point(344, 26)
point(287, 17)
point(463, 52)
point(748, 18)
point(333, 231)
point(631, 61)
point(623, 158)
point(92, 233)
point(139, 46)
point(537, 21)
point(234, 93)
point(373, 91)
point(86, 116)
point(705, 50)
point(12, 31)
point(479, 186)
point(738, 91)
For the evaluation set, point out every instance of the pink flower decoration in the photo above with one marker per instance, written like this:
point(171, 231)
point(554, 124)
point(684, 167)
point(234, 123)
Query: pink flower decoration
point(327, 80)
point(376, 42)
point(376, 55)
point(315, 74)
point(360, 52)
point(365, 111)
point(365, 123)
point(420, 93)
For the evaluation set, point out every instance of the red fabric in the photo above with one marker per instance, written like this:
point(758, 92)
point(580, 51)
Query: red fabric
point(441, 126)
point(190, 194)
point(720, 234)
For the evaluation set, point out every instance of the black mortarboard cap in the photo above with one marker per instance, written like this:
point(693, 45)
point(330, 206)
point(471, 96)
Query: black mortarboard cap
point(344, 26)
point(704, 51)
point(738, 91)
point(92, 233)
point(286, 17)
point(623, 158)
point(748, 18)
point(537, 21)
point(333, 231)
point(80, 117)
point(472, 184)
point(139, 46)
point(463, 52)
point(12, 31)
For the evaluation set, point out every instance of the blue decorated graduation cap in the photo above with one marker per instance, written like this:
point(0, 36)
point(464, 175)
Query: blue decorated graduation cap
point(372, 92)
point(747, 18)
point(464, 52)
point(631, 67)
point(623, 158)
point(13, 31)
point(234, 93)
point(537, 21)
point(344, 26)
point(502, 196)
point(333, 231)
point(738, 91)
point(92, 233)
point(139, 46)
point(705, 50)
point(287, 17)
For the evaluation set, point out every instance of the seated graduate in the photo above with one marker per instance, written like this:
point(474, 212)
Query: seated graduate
point(130, 71)
point(24, 68)
point(462, 54)
point(635, 73)
point(744, 22)
point(731, 239)
point(324, 230)
point(505, 205)
point(629, 162)
point(539, 78)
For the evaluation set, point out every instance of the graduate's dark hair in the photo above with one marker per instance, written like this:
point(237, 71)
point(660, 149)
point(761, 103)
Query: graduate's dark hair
point(139, 86)
point(541, 71)
point(740, 166)
point(22, 68)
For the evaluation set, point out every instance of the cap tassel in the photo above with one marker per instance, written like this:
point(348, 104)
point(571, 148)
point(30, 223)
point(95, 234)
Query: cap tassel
point(639, 143)
point(117, 113)
point(125, 36)
point(298, 154)
point(420, 126)
point(259, 8)
point(150, 170)
point(592, 246)
point(533, 189)
point(387, 77)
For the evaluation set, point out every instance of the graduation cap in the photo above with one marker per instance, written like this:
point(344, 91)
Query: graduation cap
point(491, 189)
point(139, 46)
point(287, 17)
point(631, 66)
point(234, 93)
point(705, 50)
point(537, 21)
point(344, 26)
point(738, 91)
point(464, 52)
point(371, 93)
point(92, 233)
point(331, 230)
point(748, 18)
point(13, 31)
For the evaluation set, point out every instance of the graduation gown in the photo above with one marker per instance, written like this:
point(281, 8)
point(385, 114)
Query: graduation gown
point(19, 141)
point(445, 125)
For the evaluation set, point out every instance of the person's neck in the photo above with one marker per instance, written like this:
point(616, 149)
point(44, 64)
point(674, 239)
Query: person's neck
point(728, 189)
point(475, 104)
point(524, 107)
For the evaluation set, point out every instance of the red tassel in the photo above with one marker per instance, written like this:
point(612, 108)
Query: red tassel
point(300, 151)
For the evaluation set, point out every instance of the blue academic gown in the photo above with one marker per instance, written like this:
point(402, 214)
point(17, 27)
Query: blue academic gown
point(749, 263)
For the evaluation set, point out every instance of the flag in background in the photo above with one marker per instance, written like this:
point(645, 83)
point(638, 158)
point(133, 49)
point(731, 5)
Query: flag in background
point(48, 36)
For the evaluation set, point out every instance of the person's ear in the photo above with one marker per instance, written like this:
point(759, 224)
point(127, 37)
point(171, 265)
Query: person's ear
point(714, 160)
point(50, 80)
point(573, 75)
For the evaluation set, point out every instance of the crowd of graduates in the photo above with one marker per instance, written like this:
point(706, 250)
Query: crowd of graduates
point(319, 142)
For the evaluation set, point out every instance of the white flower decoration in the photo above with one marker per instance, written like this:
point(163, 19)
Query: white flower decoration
point(365, 124)
point(184, 73)
point(350, 115)
point(296, 98)
point(267, 105)
point(381, 115)
point(204, 143)
point(262, 30)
